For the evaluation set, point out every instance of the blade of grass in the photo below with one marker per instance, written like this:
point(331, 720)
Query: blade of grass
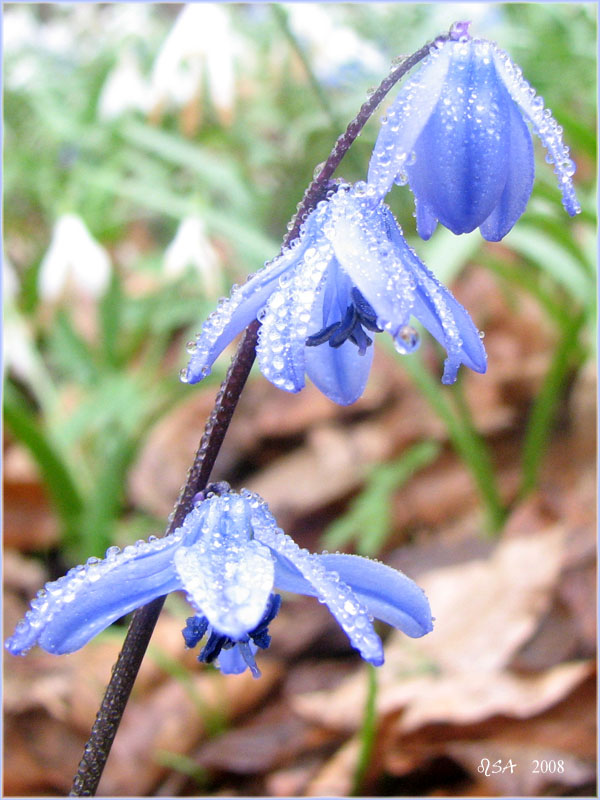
point(70, 352)
point(553, 258)
point(103, 506)
point(529, 280)
point(368, 519)
point(468, 444)
point(367, 733)
point(543, 413)
point(61, 485)
point(185, 766)
point(218, 173)
point(480, 458)
point(109, 312)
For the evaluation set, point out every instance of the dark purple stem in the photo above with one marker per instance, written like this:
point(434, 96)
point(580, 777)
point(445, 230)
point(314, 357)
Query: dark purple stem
point(113, 705)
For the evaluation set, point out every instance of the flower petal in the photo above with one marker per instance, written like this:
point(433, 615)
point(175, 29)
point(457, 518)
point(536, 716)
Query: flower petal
point(459, 170)
point(426, 220)
point(69, 612)
point(232, 662)
point(237, 311)
point(387, 594)
point(326, 586)
point(341, 373)
point(281, 351)
point(442, 315)
point(228, 576)
point(404, 121)
point(519, 181)
point(543, 123)
point(359, 236)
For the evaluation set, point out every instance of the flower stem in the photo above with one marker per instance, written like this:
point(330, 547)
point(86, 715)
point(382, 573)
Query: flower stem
point(367, 735)
point(113, 705)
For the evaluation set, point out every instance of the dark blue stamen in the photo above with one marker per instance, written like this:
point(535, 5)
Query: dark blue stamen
point(260, 634)
point(216, 642)
point(365, 311)
point(196, 627)
point(359, 315)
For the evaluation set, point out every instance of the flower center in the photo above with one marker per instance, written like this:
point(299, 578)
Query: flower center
point(196, 627)
point(359, 315)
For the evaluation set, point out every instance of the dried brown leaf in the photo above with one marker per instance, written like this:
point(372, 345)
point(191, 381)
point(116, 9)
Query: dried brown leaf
point(485, 610)
point(173, 718)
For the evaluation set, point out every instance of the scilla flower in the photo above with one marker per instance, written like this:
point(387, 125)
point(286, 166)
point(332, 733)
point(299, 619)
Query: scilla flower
point(348, 274)
point(457, 134)
point(228, 556)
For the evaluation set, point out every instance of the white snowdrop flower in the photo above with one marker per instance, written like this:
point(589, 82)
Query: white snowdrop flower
point(192, 248)
point(20, 355)
point(335, 50)
point(73, 255)
point(125, 89)
point(200, 45)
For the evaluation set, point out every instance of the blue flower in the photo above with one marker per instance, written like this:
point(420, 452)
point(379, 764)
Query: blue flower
point(349, 273)
point(227, 556)
point(457, 134)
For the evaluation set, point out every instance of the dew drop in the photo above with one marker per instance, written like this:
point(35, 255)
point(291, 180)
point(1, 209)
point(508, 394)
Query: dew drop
point(318, 169)
point(183, 375)
point(406, 340)
point(191, 346)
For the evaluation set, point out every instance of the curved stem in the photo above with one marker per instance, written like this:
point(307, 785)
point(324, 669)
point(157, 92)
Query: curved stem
point(142, 624)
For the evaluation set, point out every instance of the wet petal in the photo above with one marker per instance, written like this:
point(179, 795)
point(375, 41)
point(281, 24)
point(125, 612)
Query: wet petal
point(238, 310)
point(443, 316)
point(519, 181)
point(387, 593)
point(69, 612)
point(326, 586)
point(362, 248)
point(232, 661)
point(543, 123)
point(341, 373)
point(228, 576)
point(426, 219)
point(459, 170)
point(285, 323)
point(404, 121)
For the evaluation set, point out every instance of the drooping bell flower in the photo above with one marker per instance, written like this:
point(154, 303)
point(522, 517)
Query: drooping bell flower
point(349, 273)
point(457, 133)
point(228, 556)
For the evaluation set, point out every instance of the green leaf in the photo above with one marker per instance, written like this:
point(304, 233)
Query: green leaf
point(553, 258)
point(60, 483)
point(220, 175)
point(70, 353)
point(367, 734)
point(104, 503)
point(467, 442)
point(566, 358)
point(109, 312)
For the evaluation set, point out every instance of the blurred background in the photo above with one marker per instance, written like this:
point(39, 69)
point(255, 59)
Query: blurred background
point(153, 156)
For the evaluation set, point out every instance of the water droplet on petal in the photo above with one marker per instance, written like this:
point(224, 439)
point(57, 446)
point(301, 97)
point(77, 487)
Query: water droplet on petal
point(183, 375)
point(406, 340)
